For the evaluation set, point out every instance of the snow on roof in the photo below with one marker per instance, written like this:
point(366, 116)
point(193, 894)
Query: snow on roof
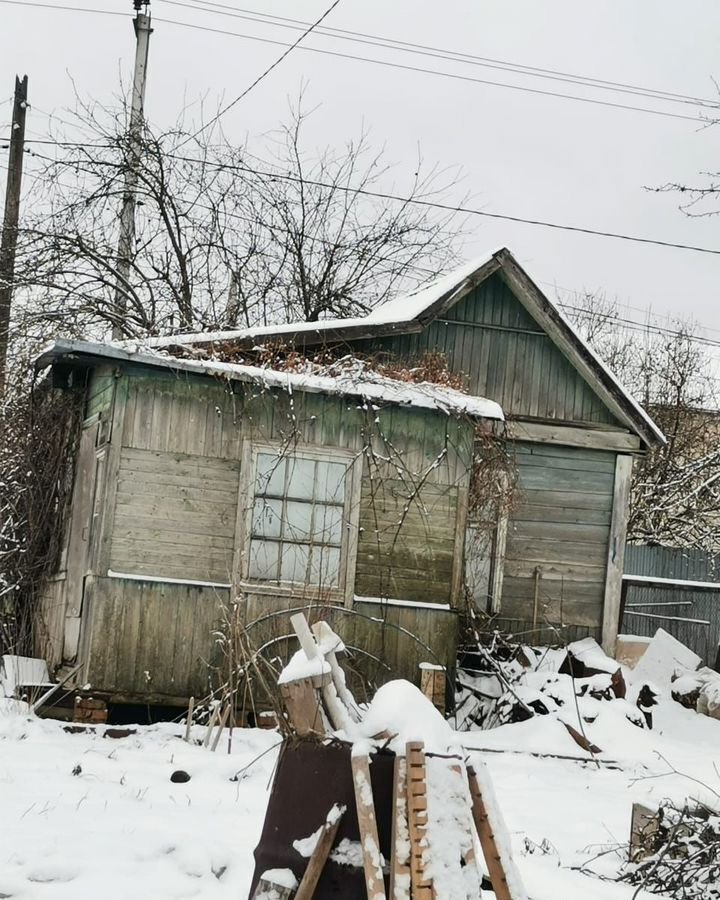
point(398, 311)
point(356, 382)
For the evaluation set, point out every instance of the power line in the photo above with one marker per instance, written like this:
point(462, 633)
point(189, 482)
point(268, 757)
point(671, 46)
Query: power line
point(357, 58)
point(446, 207)
point(453, 75)
point(388, 64)
point(432, 204)
point(372, 40)
point(85, 9)
point(625, 323)
point(267, 71)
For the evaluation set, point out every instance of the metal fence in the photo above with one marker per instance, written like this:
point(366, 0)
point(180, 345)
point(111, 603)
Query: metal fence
point(674, 589)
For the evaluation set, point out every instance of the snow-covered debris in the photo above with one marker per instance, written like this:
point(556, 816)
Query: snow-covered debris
point(22, 670)
point(302, 667)
point(402, 711)
point(664, 659)
point(353, 381)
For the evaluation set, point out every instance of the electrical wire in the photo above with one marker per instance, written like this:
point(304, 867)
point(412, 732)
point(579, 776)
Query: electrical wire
point(420, 69)
point(440, 53)
point(432, 204)
point(400, 66)
point(85, 9)
point(265, 73)
point(625, 323)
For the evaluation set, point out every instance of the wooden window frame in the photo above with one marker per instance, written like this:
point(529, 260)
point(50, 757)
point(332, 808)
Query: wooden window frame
point(344, 591)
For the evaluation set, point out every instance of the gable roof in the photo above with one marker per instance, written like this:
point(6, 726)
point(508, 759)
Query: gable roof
point(412, 312)
point(364, 384)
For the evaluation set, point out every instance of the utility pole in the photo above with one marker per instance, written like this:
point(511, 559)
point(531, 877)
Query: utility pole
point(11, 218)
point(126, 240)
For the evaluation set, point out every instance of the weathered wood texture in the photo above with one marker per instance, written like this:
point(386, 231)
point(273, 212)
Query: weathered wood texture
point(175, 516)
point(490, 337)
point(559, 529)
point(167, 508)
point(384, 641)
point(50, 622)
point(151, 639)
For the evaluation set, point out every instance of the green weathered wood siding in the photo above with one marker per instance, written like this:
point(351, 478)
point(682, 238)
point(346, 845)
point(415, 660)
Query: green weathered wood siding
point(560, 527)
point(173, 514)
point(147, 639)
point(505, 355)
point(406, 547)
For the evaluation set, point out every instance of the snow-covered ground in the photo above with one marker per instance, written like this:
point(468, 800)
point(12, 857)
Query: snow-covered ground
point(82, 816)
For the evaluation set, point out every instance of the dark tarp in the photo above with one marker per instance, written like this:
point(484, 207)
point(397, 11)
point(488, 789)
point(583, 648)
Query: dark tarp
point(311, 777)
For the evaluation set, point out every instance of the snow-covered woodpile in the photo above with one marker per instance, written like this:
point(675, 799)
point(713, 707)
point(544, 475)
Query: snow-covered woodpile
point(386, 791)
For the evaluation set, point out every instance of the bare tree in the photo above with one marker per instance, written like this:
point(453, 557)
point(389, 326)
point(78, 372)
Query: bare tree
point(225, 238)
point(676, 487)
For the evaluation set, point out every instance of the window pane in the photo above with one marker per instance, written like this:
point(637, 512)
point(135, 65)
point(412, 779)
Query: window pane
point(267, 516)
point(325, 566)
point(330, 482)
point(327, 527)
point(294, 562)
point(301, 481)
point(297, 521)
point(264, 560)
point(270, 474)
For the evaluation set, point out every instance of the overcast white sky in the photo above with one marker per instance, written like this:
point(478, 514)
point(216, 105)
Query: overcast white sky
point(522, 154)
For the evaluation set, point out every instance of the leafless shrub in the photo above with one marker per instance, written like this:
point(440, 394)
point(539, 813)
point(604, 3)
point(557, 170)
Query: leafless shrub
point(36, 455)
point(680, 854)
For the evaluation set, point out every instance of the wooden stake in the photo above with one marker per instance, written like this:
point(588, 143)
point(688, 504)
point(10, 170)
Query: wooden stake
point(367, 825)
point(487, 840)
point(339, 716)
point(221, 725)
point(400, 860)
point(303, 706)
point(319, 856)
point(416, 788)
point(211, 724)
point(188, 721)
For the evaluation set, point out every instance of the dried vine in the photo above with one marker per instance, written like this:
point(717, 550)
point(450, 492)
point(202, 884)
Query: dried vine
point(39, 431)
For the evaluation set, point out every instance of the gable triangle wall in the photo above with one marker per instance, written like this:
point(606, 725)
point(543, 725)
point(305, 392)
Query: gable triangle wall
point(506, 356)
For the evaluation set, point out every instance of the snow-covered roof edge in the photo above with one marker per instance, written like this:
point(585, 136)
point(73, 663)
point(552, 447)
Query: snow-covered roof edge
point(370, 387)
point(394, 314)
point(412, 311)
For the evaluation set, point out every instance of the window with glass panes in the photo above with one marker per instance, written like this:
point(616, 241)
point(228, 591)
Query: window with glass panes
point(297, 520)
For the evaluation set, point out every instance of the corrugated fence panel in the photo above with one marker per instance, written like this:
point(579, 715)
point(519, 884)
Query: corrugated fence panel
point(663, 605)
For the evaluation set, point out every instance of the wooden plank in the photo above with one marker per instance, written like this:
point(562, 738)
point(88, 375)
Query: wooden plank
point(567, 498)
point(598, 439)
point(302, 702)
point(568, 571)
point(536, 478)
point(489, 846)
point(400, 854)
point(416, 789)
point(616, 553)
point(367, 825)
point(320, 853)
point(551, 551)
point(126, 519)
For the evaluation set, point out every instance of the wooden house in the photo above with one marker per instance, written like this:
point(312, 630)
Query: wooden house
point(200, 486)
point(210, 494)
